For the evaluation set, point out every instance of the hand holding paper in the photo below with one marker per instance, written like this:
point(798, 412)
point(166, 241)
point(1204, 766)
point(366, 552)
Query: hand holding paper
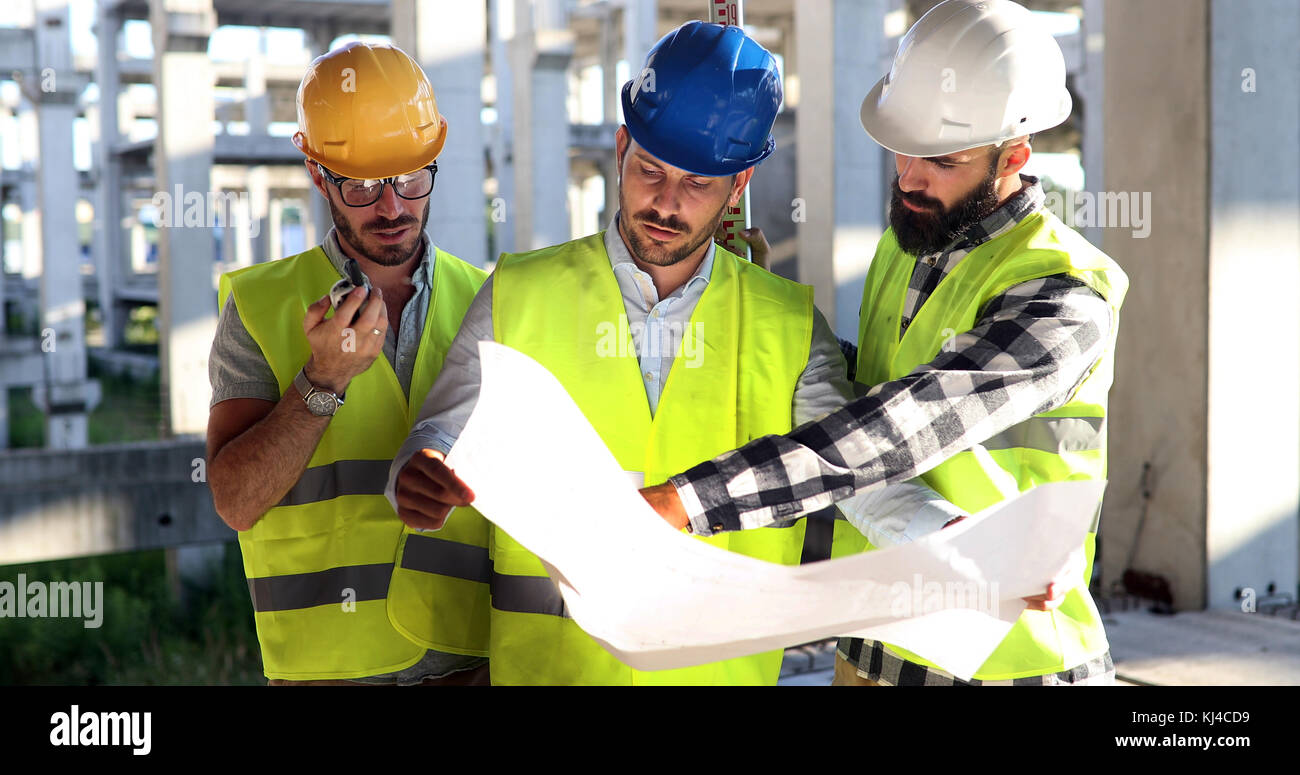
point(658, 599)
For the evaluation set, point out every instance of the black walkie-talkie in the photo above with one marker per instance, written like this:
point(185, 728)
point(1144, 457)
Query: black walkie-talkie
point(353, 278)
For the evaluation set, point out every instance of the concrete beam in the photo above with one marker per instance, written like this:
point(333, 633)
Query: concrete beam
point(110, 498)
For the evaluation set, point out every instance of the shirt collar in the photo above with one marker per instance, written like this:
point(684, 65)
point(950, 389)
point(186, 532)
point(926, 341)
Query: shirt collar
point(422, 277)
point(619, 255)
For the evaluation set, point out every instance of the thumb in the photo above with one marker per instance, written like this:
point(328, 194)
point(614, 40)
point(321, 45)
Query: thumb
point(315, 313)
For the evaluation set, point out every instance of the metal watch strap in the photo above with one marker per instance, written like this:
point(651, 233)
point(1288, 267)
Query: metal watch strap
point(306, 388)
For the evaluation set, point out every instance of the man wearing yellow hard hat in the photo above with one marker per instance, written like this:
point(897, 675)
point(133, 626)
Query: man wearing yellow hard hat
point(674, 348)
point(309, 407)
point(987, 334)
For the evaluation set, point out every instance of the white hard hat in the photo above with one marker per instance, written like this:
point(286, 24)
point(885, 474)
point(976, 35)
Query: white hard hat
point(968, 73)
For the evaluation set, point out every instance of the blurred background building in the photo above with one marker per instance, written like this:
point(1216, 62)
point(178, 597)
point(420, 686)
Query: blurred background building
point(144, 150)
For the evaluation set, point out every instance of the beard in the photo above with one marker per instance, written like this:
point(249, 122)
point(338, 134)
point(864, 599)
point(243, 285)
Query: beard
point(648, 252)
point(384, 255)
point(929, 232)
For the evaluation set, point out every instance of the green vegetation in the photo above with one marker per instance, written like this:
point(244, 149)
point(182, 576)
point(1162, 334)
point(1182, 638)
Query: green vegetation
point(146, 636)
point(129, 410)
point(26, 421)
point(142, 326)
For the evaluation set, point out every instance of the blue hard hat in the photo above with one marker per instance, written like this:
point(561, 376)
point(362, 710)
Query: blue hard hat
point(705, 101)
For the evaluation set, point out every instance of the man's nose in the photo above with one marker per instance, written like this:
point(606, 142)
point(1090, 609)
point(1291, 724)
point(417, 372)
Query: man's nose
point(666, 202)
point(910, 177)
point(389, 204)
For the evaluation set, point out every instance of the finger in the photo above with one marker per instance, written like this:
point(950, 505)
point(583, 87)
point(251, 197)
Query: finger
point(419, 521)
point(755, 237)
point(316, 313)
point(374, 315)
point(419, 487)
point(348, 309)
point(457, 492)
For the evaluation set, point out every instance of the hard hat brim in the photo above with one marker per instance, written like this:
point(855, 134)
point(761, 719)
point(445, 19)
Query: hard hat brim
point(677, 157)
point(373, 171)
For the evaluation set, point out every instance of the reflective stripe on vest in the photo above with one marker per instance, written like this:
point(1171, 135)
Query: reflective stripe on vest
point(753, 330)
point(320, 563)
point(1066, 443)
point(305, 590)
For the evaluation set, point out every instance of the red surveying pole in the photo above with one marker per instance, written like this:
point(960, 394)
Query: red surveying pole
point(731, 12)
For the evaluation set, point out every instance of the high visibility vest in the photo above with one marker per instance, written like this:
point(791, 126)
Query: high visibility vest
point(1067, 443)
point(319, 563)
point(751, 331)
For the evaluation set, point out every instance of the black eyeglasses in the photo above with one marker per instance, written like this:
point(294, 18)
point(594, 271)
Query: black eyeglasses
point(363, 193)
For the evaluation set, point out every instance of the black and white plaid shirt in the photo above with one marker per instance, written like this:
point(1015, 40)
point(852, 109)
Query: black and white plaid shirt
point(1029, 350)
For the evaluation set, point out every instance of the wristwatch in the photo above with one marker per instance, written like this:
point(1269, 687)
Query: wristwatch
point(321, 403)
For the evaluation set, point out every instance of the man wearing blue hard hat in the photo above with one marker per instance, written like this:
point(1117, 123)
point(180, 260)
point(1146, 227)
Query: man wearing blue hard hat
point(674, 348)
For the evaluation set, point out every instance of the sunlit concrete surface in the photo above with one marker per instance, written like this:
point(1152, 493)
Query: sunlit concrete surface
point(1202, 648)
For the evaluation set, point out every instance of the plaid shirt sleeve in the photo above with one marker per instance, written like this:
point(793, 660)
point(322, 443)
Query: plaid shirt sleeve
point(1029, 351)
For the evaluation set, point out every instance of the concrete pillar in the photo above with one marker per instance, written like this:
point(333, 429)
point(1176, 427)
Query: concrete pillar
point(252, 220)
point(257, 103)
point(139, 246)
point(110, 245)
point(183, 163)
point(641, 33)
point(1253, 505)
point(841, 49)
point(503, 42)
point(54, 88)
point(28, 196)
point(541, 60)
point(610, 106)
point(447, 40)
point(1090, 82)
point(252, 226)
point(317, 221)
point(274, 237)
point(1201, 454)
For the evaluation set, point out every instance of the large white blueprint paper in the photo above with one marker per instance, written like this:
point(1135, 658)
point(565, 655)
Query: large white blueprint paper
point(657, 598)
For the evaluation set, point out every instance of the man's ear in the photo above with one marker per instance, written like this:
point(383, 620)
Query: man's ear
point(738, 185)
point(1014, 158)
point(622, 141)
point(317, 179)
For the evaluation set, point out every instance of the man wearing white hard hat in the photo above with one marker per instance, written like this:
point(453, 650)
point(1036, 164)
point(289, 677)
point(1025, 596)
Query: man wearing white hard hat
point(987, 334)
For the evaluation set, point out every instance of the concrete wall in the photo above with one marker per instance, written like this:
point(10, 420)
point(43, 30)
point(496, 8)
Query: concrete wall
point(109, 498)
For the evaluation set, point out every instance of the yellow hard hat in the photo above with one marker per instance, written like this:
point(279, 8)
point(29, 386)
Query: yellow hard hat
point(366, 110)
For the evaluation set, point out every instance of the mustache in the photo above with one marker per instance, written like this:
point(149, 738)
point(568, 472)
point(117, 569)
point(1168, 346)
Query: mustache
point(920, 200)
point(383, 224)
point(651, 218)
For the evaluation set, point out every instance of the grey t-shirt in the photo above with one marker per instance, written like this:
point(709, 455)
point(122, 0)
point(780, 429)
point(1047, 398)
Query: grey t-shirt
point(238, 369)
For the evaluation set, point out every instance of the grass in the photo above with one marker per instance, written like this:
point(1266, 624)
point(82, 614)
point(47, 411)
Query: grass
point(146, 637)
point(129, 410)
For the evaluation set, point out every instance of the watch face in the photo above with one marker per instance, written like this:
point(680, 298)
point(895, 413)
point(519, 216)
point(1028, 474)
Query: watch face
point(321, 404)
